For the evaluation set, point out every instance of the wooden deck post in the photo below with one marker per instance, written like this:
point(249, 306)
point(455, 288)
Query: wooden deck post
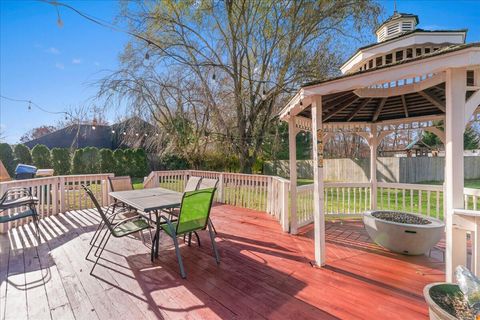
point(318, 196)
point(220, 189)
point(373, 166)
point(454, 170)
point(292, 147)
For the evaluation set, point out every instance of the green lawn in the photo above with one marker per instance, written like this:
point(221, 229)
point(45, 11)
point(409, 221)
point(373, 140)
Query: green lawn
point(137, 183)
point(338, 200)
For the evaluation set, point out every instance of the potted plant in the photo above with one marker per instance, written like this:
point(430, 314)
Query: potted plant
point(446, 302)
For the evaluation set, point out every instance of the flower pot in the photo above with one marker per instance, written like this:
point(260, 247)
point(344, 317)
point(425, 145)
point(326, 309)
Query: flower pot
point(436, 311)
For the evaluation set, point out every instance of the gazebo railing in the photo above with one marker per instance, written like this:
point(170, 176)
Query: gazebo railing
point(416, 198)
point(340, 199)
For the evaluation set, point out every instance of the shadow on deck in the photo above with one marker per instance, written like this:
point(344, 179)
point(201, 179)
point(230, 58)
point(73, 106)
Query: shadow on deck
point(264, 273)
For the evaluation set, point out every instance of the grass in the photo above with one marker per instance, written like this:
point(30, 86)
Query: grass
point(137, 183)
point(338, 200)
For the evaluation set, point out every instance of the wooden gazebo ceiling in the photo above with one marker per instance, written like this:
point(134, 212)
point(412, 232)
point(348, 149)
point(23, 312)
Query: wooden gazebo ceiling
point(348, 107)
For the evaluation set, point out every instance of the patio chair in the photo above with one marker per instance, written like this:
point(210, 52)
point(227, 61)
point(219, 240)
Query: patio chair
point(18, 197)
point(192, 184)
point(194, 216)
point(118, 229)
point(206, 184)
point(122, 183)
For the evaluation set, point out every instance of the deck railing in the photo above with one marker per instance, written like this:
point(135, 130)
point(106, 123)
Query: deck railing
point(259, 192)
point(59, 194)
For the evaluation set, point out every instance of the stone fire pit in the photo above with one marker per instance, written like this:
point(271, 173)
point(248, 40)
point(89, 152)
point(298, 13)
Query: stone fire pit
point(403, 232)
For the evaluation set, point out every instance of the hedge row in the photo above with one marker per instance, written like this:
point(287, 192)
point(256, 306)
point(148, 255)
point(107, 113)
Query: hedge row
point(132, 162)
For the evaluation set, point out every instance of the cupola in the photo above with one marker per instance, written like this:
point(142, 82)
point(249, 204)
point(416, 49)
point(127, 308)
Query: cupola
point(396, 25)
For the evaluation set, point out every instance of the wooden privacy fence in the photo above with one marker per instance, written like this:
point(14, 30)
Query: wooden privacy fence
point(58, 194)
point(389, 169)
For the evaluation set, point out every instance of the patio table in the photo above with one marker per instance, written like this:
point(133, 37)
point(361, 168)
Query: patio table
point(148, 201)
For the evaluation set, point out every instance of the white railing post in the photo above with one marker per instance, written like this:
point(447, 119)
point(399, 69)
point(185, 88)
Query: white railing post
point(61, 186)
point(55, 195)
point(220, 189)
point(285, 212)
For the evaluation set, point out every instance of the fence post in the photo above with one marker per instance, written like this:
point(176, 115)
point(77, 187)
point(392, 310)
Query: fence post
point(285, 212)
point(61, 186)
point(55, 196)
point(220, 189)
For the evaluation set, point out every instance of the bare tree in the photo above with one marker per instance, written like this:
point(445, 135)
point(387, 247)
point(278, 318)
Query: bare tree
point(244, 57)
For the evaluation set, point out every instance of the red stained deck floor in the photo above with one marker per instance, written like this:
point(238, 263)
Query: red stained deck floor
point(264, 273)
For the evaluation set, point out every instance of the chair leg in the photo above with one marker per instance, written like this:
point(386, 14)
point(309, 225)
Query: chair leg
point(212, 238)
point(189, 239)
point(179, 257)
point(37, 229)
point(213, 226)
point(101, 241)
point(101, 251)
point(198, 238)
point(95, 235)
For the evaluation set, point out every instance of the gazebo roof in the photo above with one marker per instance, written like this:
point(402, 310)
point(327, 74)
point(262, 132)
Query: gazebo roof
point(374, 101)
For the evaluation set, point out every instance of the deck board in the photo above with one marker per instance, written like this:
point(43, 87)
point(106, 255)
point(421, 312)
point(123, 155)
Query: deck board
point(264, 274)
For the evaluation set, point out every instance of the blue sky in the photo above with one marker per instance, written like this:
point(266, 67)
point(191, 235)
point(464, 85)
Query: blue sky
point(54, 67)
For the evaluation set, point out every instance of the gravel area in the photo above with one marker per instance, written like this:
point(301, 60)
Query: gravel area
point(400, 217)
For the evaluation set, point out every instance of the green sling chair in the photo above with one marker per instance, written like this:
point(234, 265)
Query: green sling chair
point(194, 216)
point(118, 229)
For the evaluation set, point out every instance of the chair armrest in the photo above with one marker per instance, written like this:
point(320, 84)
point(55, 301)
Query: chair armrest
point(126, 220)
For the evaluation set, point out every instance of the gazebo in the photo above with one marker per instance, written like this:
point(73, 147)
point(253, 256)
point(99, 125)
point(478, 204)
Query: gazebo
point(409, 79)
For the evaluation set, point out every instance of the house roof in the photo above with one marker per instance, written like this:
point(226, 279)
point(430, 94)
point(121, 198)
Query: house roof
point(84, 135)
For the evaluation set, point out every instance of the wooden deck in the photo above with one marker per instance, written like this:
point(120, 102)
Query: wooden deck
point(264, 273)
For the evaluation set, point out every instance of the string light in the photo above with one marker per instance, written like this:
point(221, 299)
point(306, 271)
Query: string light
point(213, 76)
point(29, 105)
point(124, 133)
point(136, 134)
point(147, 56)
point(59, 19)
point(93, 127)
point(145, 134)
point(301, 102)
point(113, 131)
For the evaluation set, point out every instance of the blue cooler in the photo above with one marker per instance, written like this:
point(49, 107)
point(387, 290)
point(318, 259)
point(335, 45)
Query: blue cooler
point(24, 171)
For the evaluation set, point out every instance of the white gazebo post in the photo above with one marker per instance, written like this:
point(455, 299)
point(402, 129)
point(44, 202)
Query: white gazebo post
point(373, 143)
point(455, 90)
point(292, 147)
point(318, 196)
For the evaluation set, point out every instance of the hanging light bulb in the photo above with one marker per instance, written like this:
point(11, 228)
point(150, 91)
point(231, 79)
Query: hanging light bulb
point(156, 134)
point(66, 116)
point(113, 131)
point(147, 55)
point(145, 134)
point(29, 105)
point(124, 133)
point(213, 76)
point(136, 134)
point(301, 102)
point(93, 127)
point(59, 19)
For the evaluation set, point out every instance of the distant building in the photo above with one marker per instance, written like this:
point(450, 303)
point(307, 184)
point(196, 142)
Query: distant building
point(132, 133)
